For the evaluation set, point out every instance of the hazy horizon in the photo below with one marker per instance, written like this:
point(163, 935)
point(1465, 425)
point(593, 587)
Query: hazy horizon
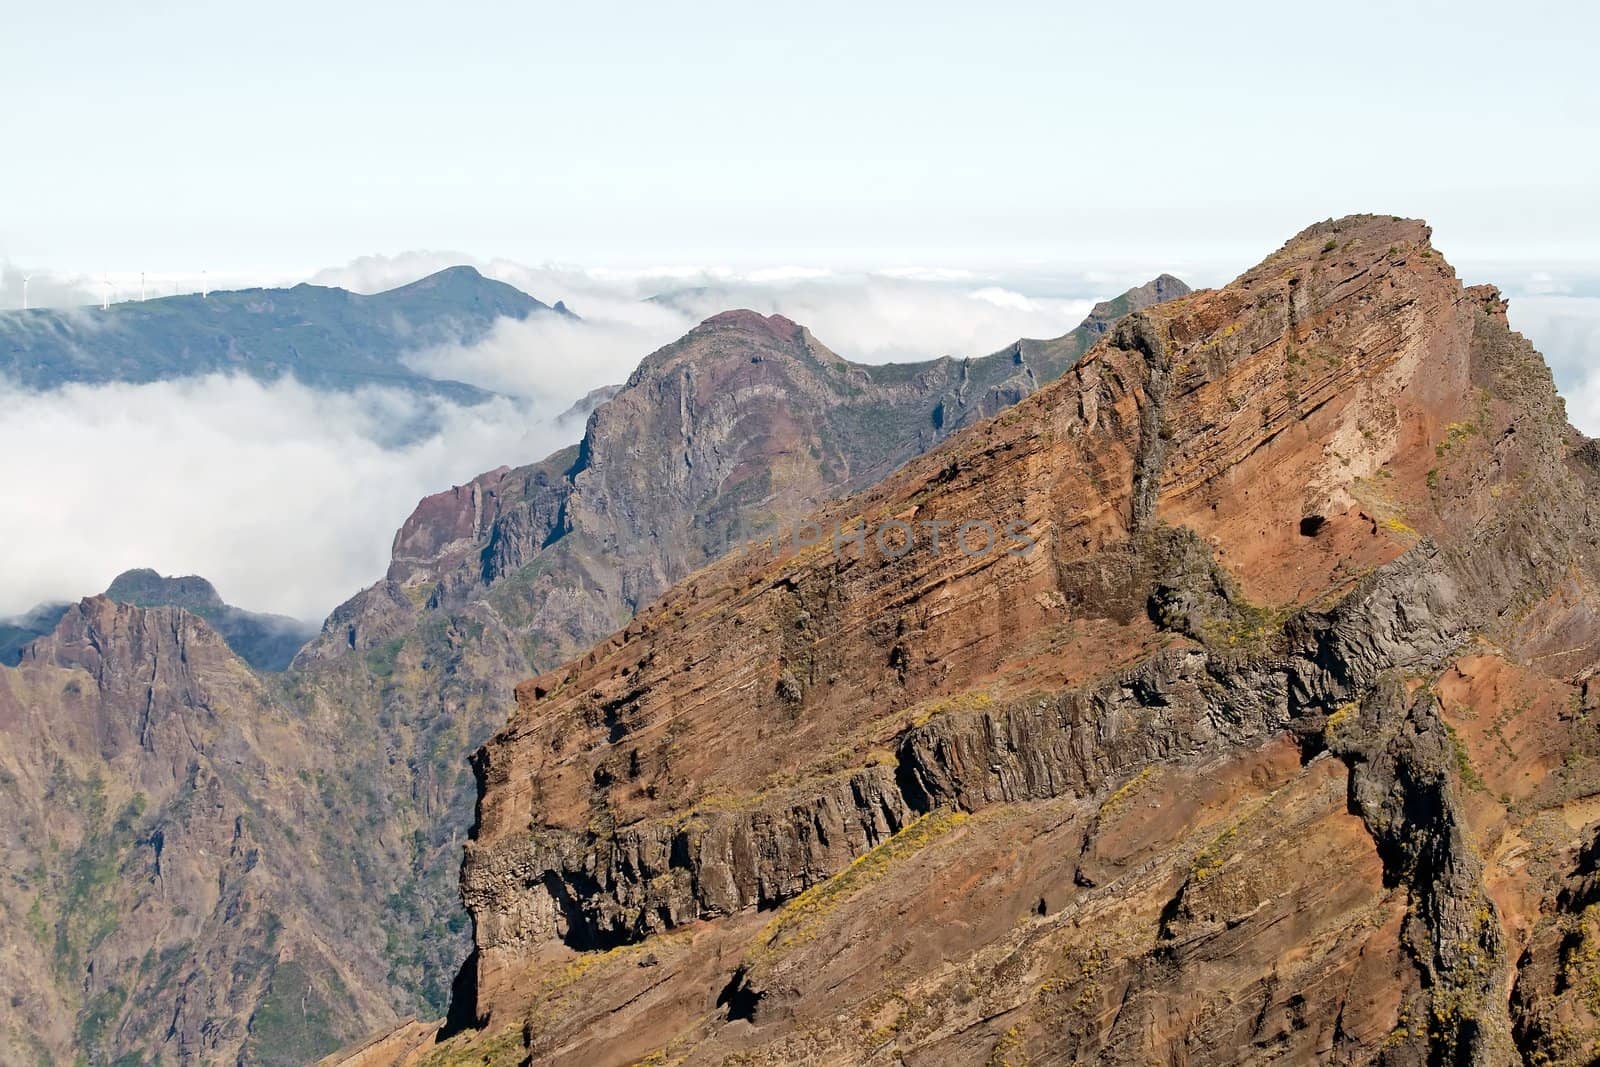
point(1011, 134)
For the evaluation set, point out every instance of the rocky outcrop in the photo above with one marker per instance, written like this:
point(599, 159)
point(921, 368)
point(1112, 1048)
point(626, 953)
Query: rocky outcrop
point(1234, 759)
point(266, 642)
point(602, 891)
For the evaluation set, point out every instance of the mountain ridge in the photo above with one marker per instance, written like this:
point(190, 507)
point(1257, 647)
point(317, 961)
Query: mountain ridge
point(324, 336)
point(829, 424)
point(1314, 551)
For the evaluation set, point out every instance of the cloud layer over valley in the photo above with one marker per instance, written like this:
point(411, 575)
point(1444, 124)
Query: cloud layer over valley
point(286, 497)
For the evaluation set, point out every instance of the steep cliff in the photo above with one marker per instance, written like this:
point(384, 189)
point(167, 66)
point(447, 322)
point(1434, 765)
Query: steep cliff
point(1266, 736)
point(214, 864)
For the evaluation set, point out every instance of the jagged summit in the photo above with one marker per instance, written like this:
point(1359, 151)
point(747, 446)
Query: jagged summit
point(1335, 236)
point(1242, 753)
point(266, 642)
point(1158, 290)
point(1367, 225)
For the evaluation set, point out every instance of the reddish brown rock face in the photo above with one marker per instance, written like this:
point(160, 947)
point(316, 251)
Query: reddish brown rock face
point(207, 863)
point(1189, 781)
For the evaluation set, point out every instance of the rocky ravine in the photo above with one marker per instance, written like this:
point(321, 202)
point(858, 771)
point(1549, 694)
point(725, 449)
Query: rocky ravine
point(177, 887)
point(1278, 745)
point(212, 864)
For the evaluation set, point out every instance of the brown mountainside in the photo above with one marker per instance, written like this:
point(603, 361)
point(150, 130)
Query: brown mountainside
point(209, 864)
point(175, 881)
point(1278, 744)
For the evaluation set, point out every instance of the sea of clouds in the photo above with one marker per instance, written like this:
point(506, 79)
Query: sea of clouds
point(285, 496)
point(899, 314)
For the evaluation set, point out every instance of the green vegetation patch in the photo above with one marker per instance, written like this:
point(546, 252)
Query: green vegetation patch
point(382, 659)
point(294, 1024)
point(801, 918)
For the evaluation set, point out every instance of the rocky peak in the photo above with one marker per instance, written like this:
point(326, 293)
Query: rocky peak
point(444, 521)
point(160, 805)
point(155, 673)
point(266, 642)
point(111, 639)
point(145, 588)
point(730, 342)
point(776, 327)
point(744, 423)
point(1217, 731)
point(1158, 290)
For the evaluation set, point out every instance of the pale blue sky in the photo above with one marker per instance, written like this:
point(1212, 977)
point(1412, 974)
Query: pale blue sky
point(169, 135)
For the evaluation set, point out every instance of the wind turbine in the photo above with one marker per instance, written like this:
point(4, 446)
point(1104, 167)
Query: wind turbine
point(26, 278)
point(107, 305)
point(141, 287)
point(204, 290)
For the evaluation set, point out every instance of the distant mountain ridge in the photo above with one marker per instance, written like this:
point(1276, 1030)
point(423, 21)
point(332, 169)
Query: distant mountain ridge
point(326, 337)
point(17, 631)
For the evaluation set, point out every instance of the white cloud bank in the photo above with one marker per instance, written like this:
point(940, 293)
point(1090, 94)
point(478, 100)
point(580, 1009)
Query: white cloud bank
point(896, 315)
point(1566, 329)
point(284, 496)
